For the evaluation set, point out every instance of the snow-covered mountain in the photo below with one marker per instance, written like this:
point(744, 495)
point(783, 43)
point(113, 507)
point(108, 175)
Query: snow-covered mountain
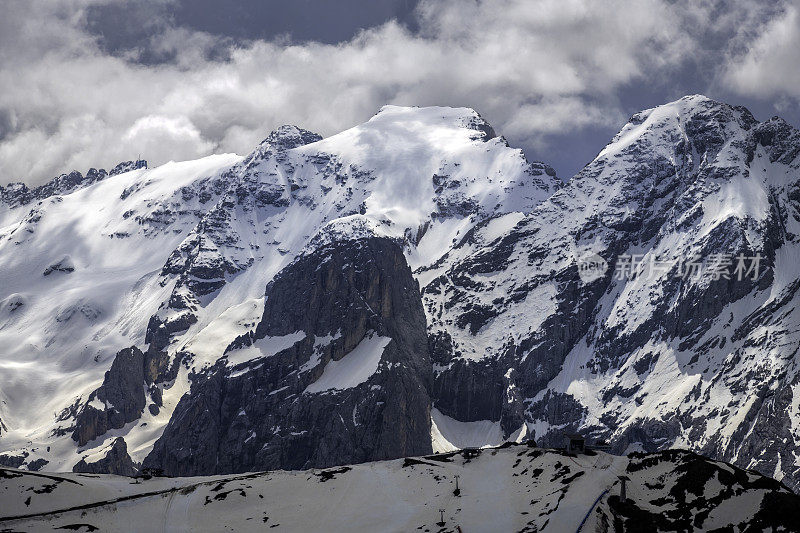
point(410, 285)
point(514, 488)
point(666, 355)
point(121, 290)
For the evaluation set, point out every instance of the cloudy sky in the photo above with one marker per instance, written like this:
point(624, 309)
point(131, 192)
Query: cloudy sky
point(92, 82)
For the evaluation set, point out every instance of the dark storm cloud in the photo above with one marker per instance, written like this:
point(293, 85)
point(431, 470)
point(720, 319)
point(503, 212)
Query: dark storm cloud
point(90, 82)
point(8, 123)
point(131, 26)
point(303, 20)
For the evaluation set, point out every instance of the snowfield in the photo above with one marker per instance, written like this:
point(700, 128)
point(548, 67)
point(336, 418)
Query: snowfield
point(510, 488)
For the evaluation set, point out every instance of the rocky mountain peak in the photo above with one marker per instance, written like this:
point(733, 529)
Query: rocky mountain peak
point(701, 107)
point(18, 194)
point(127, 166)
point(288, 136)
point(694, 178)
point(693, 120)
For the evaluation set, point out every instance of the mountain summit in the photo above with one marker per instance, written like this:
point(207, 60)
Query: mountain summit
point(667, 346)
point(112, 314)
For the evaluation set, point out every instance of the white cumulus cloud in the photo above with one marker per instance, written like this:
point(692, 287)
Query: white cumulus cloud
point(532, 68)
point(771, 66)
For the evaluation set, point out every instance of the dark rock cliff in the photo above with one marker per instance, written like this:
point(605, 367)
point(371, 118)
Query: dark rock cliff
point(347, 299)
point(116, 461)
point(122, 396)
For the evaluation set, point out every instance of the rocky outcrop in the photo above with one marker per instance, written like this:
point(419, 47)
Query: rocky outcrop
point(348, 302)
point(64, 265)
point(127, 166)
point(122, 396)
point(116, 461)
point(288, 136)
point(37, 464)
point(13, 460)
point(679, 483)
point(19, 194)
point(23, 460)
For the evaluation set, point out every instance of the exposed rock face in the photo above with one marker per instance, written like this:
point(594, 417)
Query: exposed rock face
point(13, 461)
point(127, 166)
point(288, 136)
point(640, 360)
point(122, 396)
point(22, 460)
point(679, 481)
point(18, 194)
point(291, 409)
point(64, 265)
point(37, 464)
point(116, 461)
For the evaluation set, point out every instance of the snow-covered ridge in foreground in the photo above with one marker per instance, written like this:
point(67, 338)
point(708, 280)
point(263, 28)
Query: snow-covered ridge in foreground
point(509, 488)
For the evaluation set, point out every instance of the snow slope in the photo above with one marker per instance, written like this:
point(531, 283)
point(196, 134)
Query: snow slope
point(511, 488)
point(58, 343)
point(354, 368)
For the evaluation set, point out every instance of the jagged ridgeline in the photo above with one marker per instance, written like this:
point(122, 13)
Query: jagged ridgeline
point(407, 286)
